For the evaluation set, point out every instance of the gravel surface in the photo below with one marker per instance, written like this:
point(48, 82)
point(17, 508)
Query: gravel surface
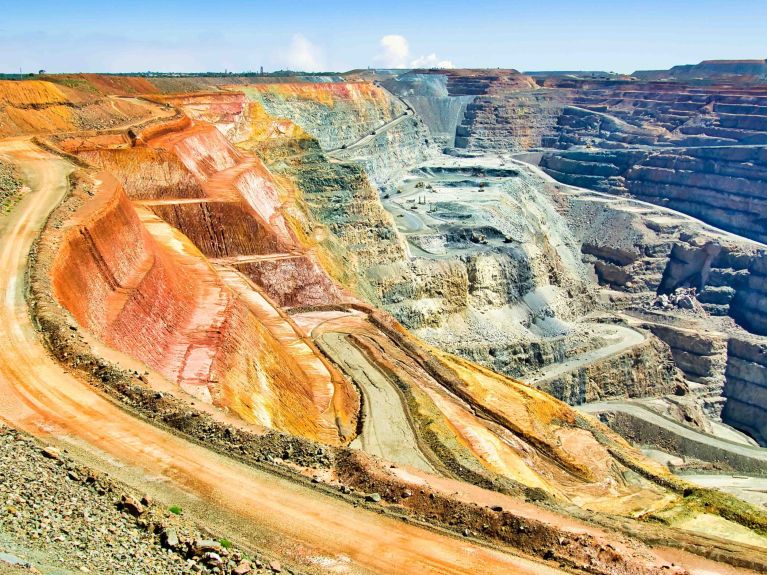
point(10, 186)
point(59, 518)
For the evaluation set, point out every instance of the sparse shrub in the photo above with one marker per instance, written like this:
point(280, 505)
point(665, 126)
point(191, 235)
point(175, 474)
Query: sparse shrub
point(225, 543)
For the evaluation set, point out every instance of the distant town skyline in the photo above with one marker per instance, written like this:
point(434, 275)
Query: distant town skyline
point(237, 35)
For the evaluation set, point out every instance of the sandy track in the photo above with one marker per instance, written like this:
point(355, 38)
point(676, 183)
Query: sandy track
point(387, 431)
point(270, 513)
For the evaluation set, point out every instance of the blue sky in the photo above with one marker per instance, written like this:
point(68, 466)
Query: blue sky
point(138, 35)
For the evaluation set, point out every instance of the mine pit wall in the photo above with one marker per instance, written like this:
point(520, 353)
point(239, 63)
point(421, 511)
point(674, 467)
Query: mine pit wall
point(428, 95)
point(749, 303)
point(724, 186)
point(732, 282)
point(439, 293)
point(645, 370)
point(334, 113)
point(392, 152)
point(340, 197)
point(728, 274)
point(293, 282)
point(642, 432)
point(343, 113)
point(225, 110)
point(482, 110)
point(138, 298)
point(513, 122)
point(702, 356)
point(631, 253)
point(241, 215)
point(221, 229)
point(201, 148)
point(147, 173)
point(746, 387)
point(615, 115)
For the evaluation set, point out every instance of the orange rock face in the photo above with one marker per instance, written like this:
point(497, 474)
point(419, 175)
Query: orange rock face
point(153, 296)
point(222, 109)
point(37, 107)
point(147, 173)
point(189, 270)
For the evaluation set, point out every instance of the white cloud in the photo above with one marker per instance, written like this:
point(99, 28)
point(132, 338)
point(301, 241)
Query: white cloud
point(395, 53)
point(431, 61)
point(303, 56)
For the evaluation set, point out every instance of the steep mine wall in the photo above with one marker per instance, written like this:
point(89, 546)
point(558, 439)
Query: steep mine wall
point(510, 122)
point(338, 115)
point(664, 114)
point(638, 249)
point(296, 281)
point(728, 274)
point(391, 152)
point(598, 118)
point(244, 214)
point(147, 173)
point(225, 110)
point(749, 302)
point(343, 208)
point(481, 109)
point(725, 187)
point(513, 307)
point(201, 148)
point(700, 354)
point(221, 229)
point(176, 316)
point(334, 113)
point(429, 96)
point(746, 386)
point(576, 126)
point(706, 154)
point(641, 250)
point(644, 370)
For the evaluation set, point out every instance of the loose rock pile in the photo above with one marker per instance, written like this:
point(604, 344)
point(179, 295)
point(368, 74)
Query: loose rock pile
point(10, 186)
point(56, 513)
point(681, 298)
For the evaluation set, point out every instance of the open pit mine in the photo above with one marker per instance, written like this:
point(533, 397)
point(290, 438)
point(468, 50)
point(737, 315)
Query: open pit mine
point(391, 322)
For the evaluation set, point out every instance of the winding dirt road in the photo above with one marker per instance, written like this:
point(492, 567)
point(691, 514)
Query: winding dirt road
point(387, 431)
point(259, 510)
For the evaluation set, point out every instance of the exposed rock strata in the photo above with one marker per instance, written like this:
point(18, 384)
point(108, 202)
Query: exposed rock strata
point(723, 186)
point(37, 107)
point(429, 96)
point(746, 386)
point(645, 370)
point(175, 315)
